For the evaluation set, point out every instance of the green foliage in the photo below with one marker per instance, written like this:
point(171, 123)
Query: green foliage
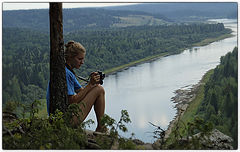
point(25, 65)
point(218, 107)
point(106, 142)
point(113, 125)
point(55, 132)
point(221, 96)
point(217, 103)
point(186, 138)
point(159, 134)
point(58, 132)
point(126, 144)
point(10, 106)
point(73, 19)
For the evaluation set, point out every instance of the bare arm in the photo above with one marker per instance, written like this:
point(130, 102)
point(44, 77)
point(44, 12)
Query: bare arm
point(82, 92)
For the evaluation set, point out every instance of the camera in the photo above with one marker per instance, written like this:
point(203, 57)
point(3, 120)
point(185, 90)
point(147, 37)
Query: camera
point(102, 76)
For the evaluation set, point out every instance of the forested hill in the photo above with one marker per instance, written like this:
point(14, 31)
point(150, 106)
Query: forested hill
point(81, 18)
point(121, 16)
point(26, 52)
point(186, 11)
point(220, 104)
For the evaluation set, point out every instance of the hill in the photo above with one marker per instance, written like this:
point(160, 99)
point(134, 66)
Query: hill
point(81, 18)
point(121, 16)
point(220, 102)
point(181, 12)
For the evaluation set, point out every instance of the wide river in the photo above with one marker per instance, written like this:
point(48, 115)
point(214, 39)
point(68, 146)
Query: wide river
point(145, 90)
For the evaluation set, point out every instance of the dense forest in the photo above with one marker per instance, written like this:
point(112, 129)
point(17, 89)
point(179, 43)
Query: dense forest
point(26, 52)
point(77, 18)
point(220, 104)
point(121, 16)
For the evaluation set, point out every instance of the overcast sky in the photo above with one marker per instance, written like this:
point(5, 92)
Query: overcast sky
point(44, 5)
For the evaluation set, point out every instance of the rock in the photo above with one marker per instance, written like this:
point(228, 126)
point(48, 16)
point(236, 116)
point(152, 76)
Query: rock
point(148, 146)
point(115, 145)
point(145, 146)
point(216, 140)
point(8, 117)
point(184, 107)
point(182, 99)
point(156, 145)
point(92, 145)
point(138, 142)
point(91, 136)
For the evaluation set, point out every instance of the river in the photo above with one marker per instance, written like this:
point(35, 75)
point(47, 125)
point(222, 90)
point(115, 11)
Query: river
point(145, 90)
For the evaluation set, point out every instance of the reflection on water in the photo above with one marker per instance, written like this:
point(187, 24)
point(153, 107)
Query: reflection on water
point(145, 91)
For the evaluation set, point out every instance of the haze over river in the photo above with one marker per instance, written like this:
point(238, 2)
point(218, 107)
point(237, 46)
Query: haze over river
point(145, 90)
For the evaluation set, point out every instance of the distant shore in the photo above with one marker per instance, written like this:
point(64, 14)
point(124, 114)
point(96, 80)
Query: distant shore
point(155, 57)
point(134, 63)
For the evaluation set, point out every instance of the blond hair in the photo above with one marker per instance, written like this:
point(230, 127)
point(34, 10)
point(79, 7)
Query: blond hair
point(72, 49)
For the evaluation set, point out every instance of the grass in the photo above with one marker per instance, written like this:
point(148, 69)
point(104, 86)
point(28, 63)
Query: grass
point(42, 113)
point(138, 20)
point(189, 114)
point(211, 40)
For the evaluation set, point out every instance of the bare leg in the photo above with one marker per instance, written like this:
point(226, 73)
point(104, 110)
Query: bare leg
point(95, 97)
point(99, 108)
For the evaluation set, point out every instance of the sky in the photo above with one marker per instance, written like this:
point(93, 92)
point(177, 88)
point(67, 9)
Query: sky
point(8, 5)
point(43, 4)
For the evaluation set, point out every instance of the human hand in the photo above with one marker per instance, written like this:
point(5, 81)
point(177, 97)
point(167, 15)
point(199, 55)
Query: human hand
point(94, 78)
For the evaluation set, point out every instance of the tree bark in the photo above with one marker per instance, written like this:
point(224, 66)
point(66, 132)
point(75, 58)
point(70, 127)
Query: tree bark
point(58, 84)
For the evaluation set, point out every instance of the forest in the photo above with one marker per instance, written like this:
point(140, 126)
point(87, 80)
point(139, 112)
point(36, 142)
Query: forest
point(73, 19)
point(26, 52)
point(220, 104)
point(112, 17)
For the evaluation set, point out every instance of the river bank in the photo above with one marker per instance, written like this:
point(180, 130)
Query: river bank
point(187, 101)
point(134, 63)
point(155, 57)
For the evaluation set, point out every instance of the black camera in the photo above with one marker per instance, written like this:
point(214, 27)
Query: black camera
point(102, 76)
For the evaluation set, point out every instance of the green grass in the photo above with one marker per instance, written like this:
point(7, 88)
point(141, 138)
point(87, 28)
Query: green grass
point(138, 20)
point(211, 40)
point(42, 113)
point(189, 114)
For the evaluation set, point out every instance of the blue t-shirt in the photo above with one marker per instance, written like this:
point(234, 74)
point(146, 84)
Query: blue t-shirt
point(72, 86)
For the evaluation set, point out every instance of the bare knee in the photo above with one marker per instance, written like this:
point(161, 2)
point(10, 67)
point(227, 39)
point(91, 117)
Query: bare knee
point(100, 89)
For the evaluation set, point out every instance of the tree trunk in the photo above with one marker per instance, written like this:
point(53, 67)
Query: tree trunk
point(58, 84)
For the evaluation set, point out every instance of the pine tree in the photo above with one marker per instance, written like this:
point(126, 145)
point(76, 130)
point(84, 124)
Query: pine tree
point(58, 84)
